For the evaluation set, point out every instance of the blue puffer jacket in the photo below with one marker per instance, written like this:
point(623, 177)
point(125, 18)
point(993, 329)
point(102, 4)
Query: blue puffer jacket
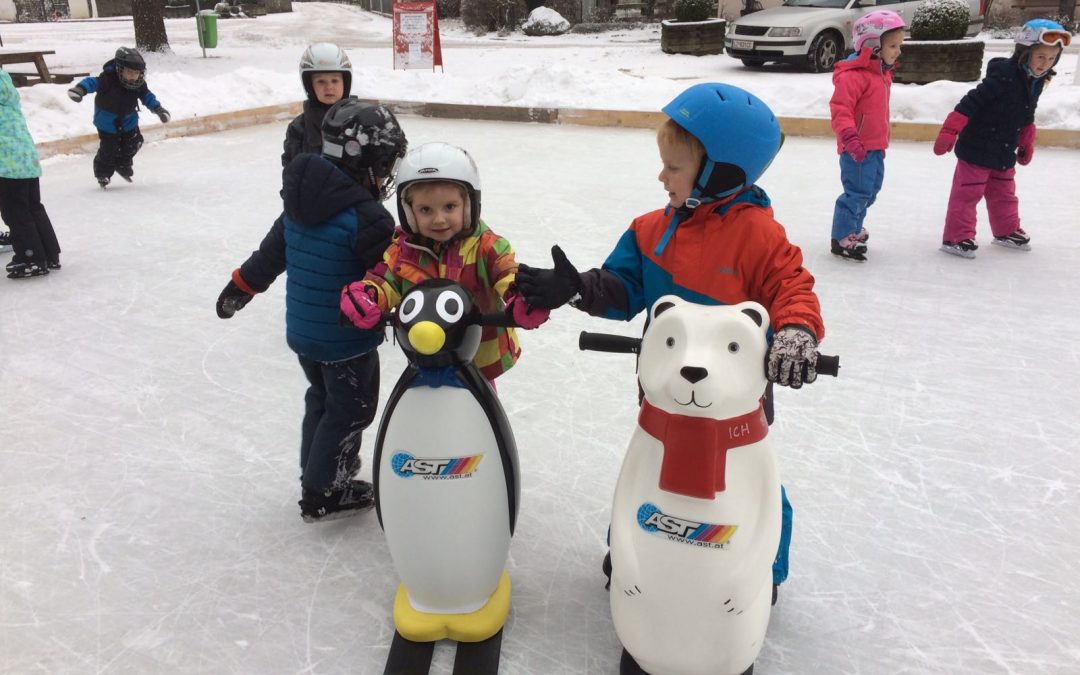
point(18, 156)
point(331, 233)
point(997, 109)
point(115, 104)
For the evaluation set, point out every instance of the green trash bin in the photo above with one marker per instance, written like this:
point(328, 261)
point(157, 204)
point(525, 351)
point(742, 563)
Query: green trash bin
point(206, 24)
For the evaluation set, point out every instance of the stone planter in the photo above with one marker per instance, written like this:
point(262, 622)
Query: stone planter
point(929, 61)
point(692, 37)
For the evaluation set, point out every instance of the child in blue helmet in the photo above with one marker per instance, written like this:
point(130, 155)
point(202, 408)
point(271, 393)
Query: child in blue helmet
point(993, 128)
point(716, 242)
point(118, 90)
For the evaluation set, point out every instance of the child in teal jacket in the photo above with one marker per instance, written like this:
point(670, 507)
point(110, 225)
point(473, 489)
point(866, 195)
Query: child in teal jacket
point(32, 235)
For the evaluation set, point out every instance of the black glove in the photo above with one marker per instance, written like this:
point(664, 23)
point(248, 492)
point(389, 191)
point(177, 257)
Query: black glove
point(792, 357)
point(548, 289)
point(163, 114)
point(76, 93)
point(232, 300)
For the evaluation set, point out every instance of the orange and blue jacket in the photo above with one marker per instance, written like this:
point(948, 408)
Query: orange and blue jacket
point(719, 253)
point(482, 262)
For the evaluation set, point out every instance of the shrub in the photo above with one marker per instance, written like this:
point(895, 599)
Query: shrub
point(694, 10)
point(568, 9)
point(940, 20)
point(492, 15)
point(448, 9)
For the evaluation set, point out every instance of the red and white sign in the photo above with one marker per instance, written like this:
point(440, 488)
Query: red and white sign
point(416, 36)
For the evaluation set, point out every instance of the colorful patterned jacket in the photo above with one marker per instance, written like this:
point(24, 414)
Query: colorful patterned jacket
point(18, 156)
point(482, 262)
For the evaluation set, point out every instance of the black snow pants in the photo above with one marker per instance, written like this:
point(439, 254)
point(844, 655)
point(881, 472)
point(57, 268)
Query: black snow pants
point(339, 404)
point(32, 235)
point(116, 153)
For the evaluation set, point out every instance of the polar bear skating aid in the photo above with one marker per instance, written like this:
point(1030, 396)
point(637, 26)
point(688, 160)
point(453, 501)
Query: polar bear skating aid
point(695, 521)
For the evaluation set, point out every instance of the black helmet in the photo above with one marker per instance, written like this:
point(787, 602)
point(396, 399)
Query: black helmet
point(365, 139)
point(126, 57)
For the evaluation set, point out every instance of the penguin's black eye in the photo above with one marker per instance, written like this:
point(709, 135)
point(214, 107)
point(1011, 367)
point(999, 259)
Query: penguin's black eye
point(449, 306)
point(411, 307)
point(670, 342)
point(733, 347)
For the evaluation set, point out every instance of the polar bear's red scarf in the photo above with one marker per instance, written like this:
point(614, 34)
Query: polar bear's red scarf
point(695, 448)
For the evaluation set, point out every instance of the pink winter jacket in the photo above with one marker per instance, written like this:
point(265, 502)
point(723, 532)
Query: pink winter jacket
point(860, 100)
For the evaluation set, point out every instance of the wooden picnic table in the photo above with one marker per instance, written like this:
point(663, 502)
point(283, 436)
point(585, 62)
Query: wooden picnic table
point(38, 59)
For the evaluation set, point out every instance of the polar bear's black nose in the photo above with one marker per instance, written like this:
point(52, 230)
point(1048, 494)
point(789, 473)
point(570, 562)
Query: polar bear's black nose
point(693, 374)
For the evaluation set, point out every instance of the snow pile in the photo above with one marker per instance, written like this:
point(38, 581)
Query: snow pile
point(545, 21)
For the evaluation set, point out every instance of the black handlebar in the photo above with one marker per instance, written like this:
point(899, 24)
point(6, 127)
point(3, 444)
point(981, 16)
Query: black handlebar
point(620, 344)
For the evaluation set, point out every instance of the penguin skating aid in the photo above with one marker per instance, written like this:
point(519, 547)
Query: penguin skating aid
point(695, 520)
point(446, 486)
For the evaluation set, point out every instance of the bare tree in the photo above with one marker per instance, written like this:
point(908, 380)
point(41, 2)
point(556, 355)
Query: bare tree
point(149, 20)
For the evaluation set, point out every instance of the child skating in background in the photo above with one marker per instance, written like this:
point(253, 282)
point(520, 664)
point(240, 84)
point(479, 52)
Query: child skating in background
point(333, 229)
point(31, 234)
point(443, 237)
point(326, 73)
point(118, 90)
point(860, 119)
point(993, 128)
point(716, 242)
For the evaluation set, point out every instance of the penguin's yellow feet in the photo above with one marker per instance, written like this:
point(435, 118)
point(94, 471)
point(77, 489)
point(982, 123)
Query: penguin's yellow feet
point(472, 627)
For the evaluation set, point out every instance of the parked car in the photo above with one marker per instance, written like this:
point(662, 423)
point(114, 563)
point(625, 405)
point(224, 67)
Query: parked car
point(812, 33)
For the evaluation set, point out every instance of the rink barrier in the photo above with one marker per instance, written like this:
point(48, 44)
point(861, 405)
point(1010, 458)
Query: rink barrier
point(631, 119)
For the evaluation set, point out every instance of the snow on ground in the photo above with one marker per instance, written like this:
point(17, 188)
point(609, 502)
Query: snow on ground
point(148, 477)
point(256, 64)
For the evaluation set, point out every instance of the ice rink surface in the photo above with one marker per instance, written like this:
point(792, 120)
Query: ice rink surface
point(148, 451)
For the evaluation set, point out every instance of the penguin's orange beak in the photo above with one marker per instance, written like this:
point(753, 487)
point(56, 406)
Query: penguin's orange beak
point(427, 337)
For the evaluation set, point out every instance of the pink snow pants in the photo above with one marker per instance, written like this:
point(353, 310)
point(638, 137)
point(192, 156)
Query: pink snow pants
point(971, 183)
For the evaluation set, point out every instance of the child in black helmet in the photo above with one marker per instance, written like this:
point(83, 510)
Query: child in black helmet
point(333, 229)
point(326, 73)
point(120, 87)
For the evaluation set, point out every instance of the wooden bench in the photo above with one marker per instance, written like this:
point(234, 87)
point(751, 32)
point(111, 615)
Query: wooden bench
point(36, 58)
point(30, 79)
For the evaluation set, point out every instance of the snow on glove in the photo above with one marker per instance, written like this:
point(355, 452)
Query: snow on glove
point(549, 288)
point(76, 93)
point(853, 145)
point(525, 316)
point(1026, 146)
point(946, 138)
point(163, 115)
point(359, 304)
point(233, 298)
point(792, 358)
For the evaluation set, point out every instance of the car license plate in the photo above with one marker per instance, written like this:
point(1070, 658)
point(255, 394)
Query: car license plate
point(742, 44)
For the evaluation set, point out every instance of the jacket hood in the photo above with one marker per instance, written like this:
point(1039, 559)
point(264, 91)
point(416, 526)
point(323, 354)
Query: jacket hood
point(864, 59)
point(315, 189)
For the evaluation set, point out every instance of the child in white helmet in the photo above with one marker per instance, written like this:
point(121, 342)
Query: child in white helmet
point(860, 119)
point(993, 128)
point(326, 73)
point(443, 237)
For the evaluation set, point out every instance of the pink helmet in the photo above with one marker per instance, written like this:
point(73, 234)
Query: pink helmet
point(868, 29)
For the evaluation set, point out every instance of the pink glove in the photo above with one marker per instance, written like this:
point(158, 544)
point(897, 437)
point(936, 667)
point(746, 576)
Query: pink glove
point(946, 138)
point(359, 307)
point(853, 145)
point(525, 316)
point(1026, 146)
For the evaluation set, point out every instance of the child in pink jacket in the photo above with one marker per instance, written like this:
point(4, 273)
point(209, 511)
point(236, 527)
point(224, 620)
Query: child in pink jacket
point(860, 119)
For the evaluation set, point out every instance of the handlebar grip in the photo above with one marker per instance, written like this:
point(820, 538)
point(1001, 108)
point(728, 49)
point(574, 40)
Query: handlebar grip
point(605, 342)
point(498, 319)
point(828, 365)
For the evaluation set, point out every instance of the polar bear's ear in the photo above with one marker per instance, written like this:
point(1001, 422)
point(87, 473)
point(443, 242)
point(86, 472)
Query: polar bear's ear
point(753, 314)
point(661, 307)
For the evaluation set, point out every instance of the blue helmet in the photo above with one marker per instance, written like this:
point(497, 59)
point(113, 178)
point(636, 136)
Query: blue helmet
point(1043, 31)
point(737, 130)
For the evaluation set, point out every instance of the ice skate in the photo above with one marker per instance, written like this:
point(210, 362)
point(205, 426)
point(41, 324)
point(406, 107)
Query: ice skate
point(964, 249)
point(126, 173)
point(5, 242)
point(1018, 240)
point(25, 270)
point(103, 182)
point(850, 248)
point(316, 507)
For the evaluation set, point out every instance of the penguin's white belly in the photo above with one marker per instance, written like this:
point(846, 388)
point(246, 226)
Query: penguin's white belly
point(443, 500)
point(691, 579)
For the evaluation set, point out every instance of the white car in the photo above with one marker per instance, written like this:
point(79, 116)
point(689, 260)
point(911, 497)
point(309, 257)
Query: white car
point(813, 33)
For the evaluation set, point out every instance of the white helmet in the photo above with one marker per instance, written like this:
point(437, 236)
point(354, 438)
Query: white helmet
point(438, 162)
point(325, 57)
